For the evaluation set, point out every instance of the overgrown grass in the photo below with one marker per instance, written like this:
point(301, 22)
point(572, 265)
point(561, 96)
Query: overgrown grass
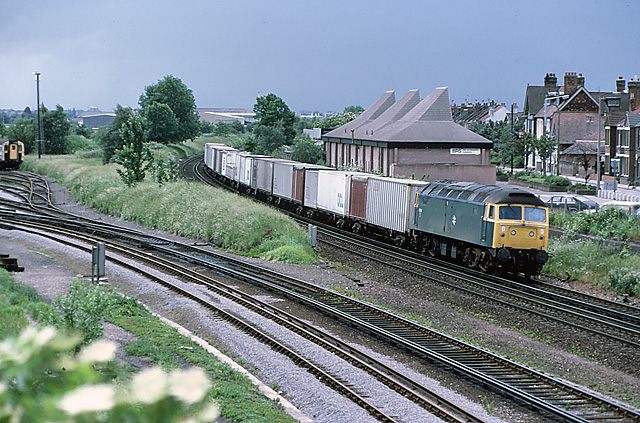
point(183, 208)
point(610, 223)
point(588, 261)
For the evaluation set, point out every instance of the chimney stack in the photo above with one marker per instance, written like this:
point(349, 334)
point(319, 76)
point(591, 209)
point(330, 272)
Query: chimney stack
point(620, 84)
point(551, 82)
point(634, 93)
point(570, 83)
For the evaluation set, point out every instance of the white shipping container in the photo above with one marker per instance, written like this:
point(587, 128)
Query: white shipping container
point(283, 178)
point(208, 148)
point(263, 168)
point(390, 202)
point(245, 167)
point(232, 165)
point(311, 188)
point(333, 191)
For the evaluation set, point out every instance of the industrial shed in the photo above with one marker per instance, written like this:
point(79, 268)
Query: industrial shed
point(411, 137)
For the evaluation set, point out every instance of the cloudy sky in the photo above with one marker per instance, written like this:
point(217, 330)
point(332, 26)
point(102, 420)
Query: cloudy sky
point(316, 55)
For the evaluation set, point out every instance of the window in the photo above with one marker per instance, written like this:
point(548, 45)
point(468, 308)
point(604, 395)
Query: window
point(510, 213)
point(535, 214)
point(491, 212)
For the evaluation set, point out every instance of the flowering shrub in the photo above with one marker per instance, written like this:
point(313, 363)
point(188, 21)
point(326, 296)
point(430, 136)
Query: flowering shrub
point(43, 380)
point(625, 281)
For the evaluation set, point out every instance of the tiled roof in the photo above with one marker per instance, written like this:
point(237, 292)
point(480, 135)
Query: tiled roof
point(410, 121)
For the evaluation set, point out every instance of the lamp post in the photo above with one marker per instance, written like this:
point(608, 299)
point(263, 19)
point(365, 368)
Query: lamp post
point(39, 131)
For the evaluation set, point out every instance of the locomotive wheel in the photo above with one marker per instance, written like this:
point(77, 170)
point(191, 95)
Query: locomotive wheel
point(485, 262)
point(434, 247)
point(299, 210)
point(399, 241)
point(340, 224)
point(357, 229)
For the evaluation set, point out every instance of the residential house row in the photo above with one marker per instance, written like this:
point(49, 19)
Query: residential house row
point(581, 122)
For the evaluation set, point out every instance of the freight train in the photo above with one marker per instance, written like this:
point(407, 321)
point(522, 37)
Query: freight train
point(486, 227)
point(11, 154)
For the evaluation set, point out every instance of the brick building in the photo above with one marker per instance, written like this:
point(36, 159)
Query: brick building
point(411, 137)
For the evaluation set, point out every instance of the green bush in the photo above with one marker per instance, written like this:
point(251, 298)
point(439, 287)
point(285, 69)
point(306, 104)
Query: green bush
point(586, 260)
point(624, 281)
point(43, 379)
point(610, 223)
point(581, 187)
point(554, 180)
point(87, 304)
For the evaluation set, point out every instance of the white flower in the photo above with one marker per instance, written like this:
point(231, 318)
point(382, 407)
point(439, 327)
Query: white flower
point(210, 413)
point(149, 386)
point(98, 352)
point(87, 399)
point(44, 336)
point(189, 386)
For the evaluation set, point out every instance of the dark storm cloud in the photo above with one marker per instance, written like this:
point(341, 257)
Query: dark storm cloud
point(315, 55)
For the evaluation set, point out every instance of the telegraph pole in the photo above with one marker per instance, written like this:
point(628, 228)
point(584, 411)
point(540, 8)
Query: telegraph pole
point(39, 140)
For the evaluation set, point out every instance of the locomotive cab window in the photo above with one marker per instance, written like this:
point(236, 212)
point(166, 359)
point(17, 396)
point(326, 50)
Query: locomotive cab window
point(491, 213)
point(535, 214)
point(510, 212)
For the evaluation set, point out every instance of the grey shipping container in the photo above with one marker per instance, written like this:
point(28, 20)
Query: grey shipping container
point(283, 178)
point(390, 202)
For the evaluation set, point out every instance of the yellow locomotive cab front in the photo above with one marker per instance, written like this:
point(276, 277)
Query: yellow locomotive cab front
point(522, 227)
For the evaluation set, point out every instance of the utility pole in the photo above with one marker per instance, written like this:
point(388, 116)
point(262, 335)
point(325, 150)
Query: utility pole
point(39, 132)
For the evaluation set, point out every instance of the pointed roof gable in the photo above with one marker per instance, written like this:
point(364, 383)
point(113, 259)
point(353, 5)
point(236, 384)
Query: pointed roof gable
point(372, 113)
point(434, 108)
point(393, 114)
point(580, 101)
point(410, 121)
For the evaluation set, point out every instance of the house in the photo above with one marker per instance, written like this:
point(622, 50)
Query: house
point(411, 137)
point(622, 133)
point(569, 114)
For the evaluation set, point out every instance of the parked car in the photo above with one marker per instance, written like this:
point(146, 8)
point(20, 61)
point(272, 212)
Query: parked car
point(572, 203)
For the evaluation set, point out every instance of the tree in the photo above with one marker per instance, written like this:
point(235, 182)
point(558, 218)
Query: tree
point(134, 156)
point(55, 128)
point(162, 125)
point(172, 92)
point(23, 129)
point(305, 150)
point(109, 137)
point(267, 139)
point(545, 147)
point(273, 112)
point(335, 121)
point(353, 109)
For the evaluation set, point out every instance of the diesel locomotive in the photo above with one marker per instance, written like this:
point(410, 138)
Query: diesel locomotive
point(11, 154)
point(486, 227)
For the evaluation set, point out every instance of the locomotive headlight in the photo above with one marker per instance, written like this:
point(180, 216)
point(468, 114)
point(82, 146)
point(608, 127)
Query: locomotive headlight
point(531, 233)
point(504, 229)
point(513, 232)
point(541, 231)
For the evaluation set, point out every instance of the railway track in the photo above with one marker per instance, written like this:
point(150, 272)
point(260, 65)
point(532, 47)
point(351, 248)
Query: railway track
point(528, 386)
point(613, 321)
point(119, 242)
point(549, 396)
